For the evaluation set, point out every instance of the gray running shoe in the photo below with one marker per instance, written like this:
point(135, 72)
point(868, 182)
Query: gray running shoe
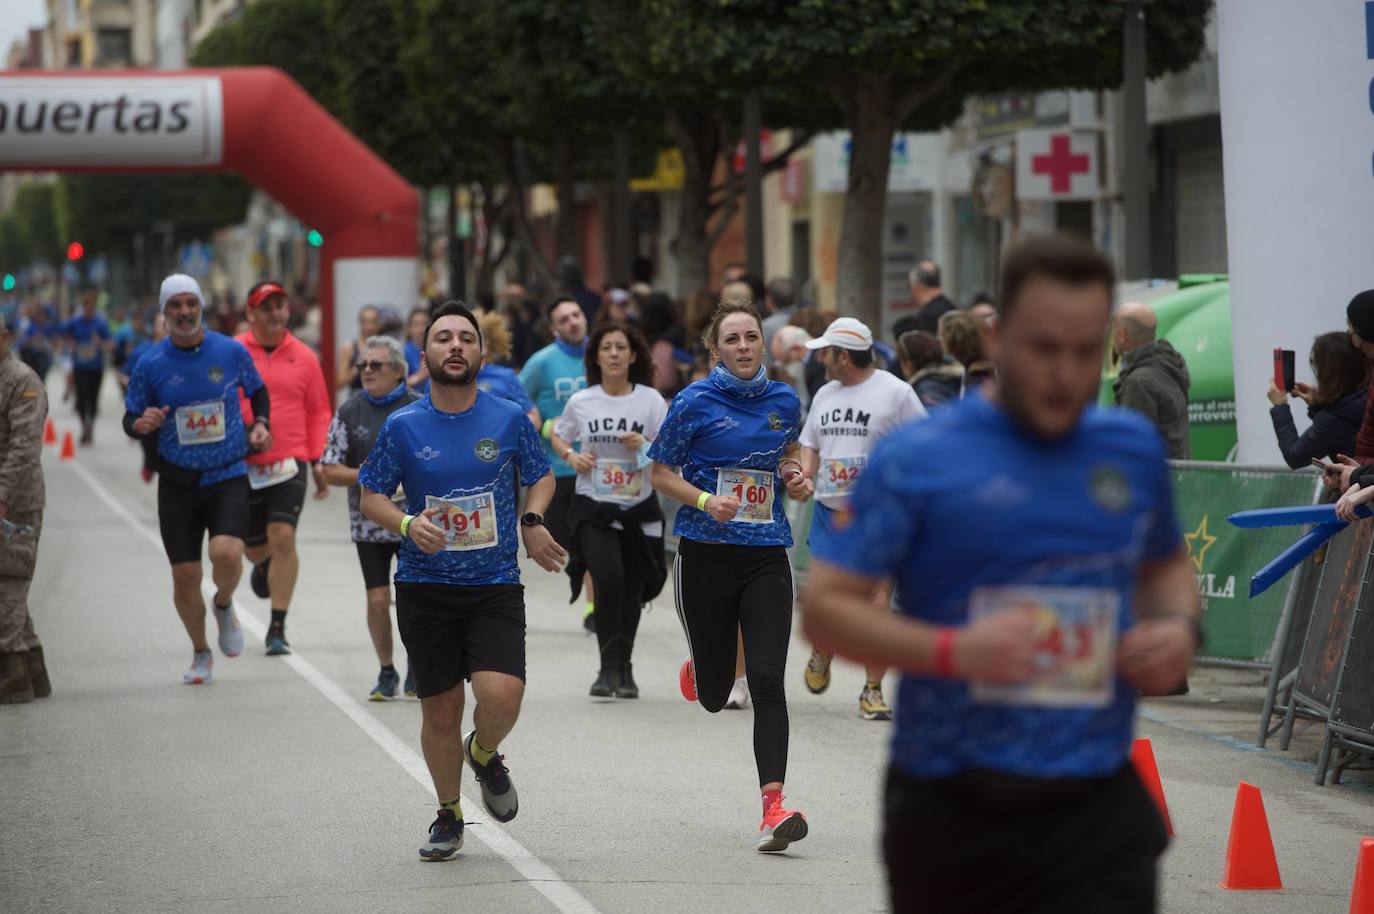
point(498, 793)
point(199, 673)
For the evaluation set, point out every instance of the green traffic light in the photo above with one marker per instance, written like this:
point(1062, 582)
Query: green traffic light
point(314, 238)
point(9, 282)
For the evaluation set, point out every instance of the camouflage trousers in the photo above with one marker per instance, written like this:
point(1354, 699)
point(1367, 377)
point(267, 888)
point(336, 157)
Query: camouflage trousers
point(18, 556)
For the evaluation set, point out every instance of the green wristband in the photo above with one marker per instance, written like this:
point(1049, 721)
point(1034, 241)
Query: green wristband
point(405, 525)
point(546, 429)
point(701, 502)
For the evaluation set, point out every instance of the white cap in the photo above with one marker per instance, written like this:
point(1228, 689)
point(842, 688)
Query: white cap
point(846, 333)
point(179, 284)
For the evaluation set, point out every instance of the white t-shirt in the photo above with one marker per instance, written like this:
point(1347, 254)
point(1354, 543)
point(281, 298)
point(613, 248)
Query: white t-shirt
point(846, 423)
point(594, 421)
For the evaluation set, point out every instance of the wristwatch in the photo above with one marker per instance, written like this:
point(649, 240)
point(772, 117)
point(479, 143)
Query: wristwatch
point(530, 519)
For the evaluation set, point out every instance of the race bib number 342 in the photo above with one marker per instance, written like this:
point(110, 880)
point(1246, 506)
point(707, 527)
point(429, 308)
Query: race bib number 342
point(468, 522)
point(837, 475)
point(1075, 645)
point(753, 488)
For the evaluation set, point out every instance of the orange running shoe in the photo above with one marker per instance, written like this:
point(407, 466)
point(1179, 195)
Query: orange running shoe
point(780, 828)
point(687, 681)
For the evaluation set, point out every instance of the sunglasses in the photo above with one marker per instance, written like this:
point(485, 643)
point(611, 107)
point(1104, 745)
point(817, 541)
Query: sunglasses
point(372, 366)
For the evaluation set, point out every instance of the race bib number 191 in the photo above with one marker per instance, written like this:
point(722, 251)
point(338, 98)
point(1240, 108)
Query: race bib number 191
point(1075, 645)
point(468, 522)
point(753, 488)
point(200, 423)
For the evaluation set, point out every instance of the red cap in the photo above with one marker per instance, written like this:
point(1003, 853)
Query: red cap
point(264, 292)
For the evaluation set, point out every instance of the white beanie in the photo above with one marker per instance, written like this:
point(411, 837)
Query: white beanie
point(179, 284)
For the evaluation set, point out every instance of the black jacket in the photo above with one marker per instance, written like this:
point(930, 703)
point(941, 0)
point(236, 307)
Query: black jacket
point(639, 546)
point(1332, 431)
point(1154, 381)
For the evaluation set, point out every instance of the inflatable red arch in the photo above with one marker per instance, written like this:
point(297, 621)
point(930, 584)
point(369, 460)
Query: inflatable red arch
point(256, 121)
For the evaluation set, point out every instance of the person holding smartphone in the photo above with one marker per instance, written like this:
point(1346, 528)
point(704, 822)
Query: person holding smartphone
point(1335, 405)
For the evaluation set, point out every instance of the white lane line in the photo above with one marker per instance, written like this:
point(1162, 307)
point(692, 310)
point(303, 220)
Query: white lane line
point(536, 872)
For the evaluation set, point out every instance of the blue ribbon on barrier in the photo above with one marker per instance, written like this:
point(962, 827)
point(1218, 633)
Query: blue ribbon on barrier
point(1291, 557)
point(1289, 517)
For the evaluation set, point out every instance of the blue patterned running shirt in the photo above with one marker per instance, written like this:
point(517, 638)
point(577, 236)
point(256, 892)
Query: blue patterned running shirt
point(470, 463)
point(728, 434)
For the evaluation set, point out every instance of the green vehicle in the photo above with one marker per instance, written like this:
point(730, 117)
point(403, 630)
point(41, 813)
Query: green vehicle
point(1195, 317)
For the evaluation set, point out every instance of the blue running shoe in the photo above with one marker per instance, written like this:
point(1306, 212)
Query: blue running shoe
point(276, 641)
point(410, 683)
point(498, 793)
point(385, 689)
point(445, 838)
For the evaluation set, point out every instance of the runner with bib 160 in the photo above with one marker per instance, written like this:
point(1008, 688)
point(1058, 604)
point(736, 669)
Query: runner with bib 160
point(848, 416)
point(460, 455)
point(734, 435)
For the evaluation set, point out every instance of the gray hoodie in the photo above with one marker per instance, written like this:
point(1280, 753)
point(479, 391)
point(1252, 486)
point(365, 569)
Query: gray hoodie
point(1154, 381)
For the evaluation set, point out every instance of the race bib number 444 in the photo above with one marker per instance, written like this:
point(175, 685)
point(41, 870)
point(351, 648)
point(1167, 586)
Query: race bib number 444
point(200, 423)
point(468, 522)
point(1075, 645)
point(618, 479)
point(753, 488)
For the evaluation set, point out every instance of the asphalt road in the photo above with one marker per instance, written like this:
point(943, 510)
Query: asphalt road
point(279, 788)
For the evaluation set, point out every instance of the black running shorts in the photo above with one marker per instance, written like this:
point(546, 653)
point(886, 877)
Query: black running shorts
point(279, 504)
point(185, 513)
point(375, 559)
point(451, 631)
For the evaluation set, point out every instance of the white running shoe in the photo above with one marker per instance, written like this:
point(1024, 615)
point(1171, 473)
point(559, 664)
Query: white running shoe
point(230, 632)
point(199, 673)
point(739, 695)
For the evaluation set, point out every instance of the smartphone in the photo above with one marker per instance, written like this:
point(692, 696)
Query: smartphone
point(1285, 369)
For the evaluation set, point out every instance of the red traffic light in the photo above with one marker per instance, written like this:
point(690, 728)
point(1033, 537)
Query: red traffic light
point(75, 251)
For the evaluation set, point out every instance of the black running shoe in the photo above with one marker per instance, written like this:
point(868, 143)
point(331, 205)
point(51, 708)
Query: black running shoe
point(258, 580)
point(627, 687)
point(498, 793)
point(605, 685)
point(445, 838)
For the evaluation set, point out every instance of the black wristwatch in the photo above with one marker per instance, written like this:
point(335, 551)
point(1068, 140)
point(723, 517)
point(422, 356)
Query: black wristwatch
point(263, 421)
point(530, 519)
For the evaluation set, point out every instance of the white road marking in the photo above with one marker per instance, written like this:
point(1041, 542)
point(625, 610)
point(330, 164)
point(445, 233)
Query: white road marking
point(536, 872)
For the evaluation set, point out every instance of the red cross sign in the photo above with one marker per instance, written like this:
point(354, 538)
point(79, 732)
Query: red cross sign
point(1056, 165)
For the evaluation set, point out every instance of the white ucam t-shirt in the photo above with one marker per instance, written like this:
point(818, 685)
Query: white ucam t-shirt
point(594, 422)
point(846, 423)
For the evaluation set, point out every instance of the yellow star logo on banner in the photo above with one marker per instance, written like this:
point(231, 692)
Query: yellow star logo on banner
point(1199, 541)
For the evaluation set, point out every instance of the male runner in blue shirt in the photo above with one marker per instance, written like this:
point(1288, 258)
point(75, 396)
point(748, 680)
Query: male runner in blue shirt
point(461, 456)
point(185, 391)
point(1042, 581)
point(551, 376)
point(88, 338)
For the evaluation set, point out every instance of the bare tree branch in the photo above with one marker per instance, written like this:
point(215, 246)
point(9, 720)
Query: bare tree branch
point(926, 89)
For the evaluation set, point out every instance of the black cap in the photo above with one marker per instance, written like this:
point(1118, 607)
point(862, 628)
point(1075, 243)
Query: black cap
point(1360, 313)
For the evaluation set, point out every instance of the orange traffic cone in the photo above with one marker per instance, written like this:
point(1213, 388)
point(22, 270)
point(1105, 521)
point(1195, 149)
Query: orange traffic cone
point(1362, 896)
point(68, 447)
point(50, 431)
point(1143, 758)
point(1250, 860)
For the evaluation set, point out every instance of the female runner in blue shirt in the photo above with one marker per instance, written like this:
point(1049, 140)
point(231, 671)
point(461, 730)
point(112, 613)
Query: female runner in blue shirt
point(733, 435)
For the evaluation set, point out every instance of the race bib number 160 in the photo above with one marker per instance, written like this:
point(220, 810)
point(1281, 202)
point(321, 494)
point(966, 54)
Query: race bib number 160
point(753, 488)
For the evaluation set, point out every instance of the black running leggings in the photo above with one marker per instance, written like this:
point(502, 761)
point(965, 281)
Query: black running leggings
point(88, 392)
point(722, 588)
point(619, 582)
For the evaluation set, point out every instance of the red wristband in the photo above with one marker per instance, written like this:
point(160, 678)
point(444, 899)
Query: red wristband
point(944, 652)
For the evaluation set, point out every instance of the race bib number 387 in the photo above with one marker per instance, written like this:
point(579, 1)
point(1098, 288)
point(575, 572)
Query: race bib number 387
point(468, 522)
point(200, 423)
point(1075, 645)
point(753, 488)
point(618, 479)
